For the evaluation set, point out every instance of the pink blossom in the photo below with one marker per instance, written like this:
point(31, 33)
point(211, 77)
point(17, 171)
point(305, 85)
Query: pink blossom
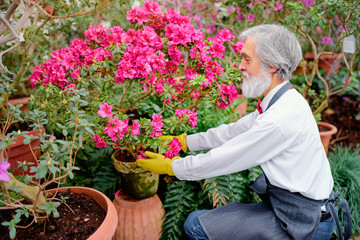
point(135, 128)
point(327, 40)
point(157, 124)
point(251, 17)
point(217, 49)
point(159, 89)
point(95, 34)
point(190, 73)
point(105, 110)
point(174, 148)
point(188, 114)
point(100, 143)
point(231, 9)
point(227, 94)
point(76, 73)
point(318, 29)
point(4, 175)
point(116, 129)
point(238, 46)
point(174, 52)
point(308, 3)
point(137, 15)
point(71, 85)
point(278, 7)
point(225, 35)
point(141, 155)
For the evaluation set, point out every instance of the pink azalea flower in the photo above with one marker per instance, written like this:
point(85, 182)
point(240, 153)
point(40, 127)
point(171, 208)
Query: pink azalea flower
point(225, 35)
point(71, 85)
point(100, 143)
point(251, 18)
point(157, 124)
point(228, 94)
point(116, 129)
point(278, 7)
point(308, 3)
point(327, 40)
point(4, 175)
point(217, 49)
point(318, 29)
point(238, 46)
point(105, 110)
point(174, 52)
point(141, 155)
point(190, 115)
point(174, 148)
point(136, 128)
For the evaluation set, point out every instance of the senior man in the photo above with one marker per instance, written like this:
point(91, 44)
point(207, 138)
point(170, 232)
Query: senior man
point(281, 137)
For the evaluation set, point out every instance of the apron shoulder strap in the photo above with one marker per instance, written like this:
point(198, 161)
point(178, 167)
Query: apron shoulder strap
point(279, 93)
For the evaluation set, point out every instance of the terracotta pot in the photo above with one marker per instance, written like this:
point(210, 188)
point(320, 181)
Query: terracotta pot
point(20, 152)
point(326, 134)
point(326, 62)
point(136, 181)
point(138, 219)
point(241, 109)
point(108, 227)
point(24, 101)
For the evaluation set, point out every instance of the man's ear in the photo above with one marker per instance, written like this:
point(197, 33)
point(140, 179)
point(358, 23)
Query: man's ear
point(274, 70)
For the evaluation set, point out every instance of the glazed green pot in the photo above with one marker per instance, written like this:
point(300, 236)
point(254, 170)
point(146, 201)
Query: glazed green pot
point(136, 181)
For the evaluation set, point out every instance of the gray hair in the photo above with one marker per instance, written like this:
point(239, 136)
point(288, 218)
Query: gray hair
point(276, 47)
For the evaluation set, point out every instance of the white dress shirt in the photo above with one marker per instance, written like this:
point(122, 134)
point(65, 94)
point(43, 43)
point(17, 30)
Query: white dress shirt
point(284, 141)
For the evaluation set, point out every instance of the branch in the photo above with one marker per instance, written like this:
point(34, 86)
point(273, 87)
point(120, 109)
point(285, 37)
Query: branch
point(68, 16)
point(8, 14)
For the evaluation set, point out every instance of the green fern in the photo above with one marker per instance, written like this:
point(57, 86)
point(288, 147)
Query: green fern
point(345, 168)
point(180, 198)
point(218, 190)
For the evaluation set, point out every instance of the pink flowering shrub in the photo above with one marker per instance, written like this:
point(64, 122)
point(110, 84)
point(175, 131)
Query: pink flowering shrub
point(143, 82)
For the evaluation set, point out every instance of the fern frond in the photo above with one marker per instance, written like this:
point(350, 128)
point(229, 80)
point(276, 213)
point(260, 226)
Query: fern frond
point(178, 203)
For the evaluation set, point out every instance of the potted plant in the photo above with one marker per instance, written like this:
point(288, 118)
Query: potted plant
point(41, 191)
point(140, 83)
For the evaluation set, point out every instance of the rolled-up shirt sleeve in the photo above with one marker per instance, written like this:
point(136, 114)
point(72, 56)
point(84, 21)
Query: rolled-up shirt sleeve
point(237, 150)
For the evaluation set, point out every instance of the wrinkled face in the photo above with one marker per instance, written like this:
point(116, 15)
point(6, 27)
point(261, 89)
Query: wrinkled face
point(257, 79)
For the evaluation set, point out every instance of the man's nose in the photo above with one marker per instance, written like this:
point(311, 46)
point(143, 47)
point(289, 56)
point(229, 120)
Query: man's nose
point(242, 66)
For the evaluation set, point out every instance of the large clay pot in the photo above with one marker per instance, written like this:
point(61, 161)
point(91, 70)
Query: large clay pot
point(19, 152)
point(138, 219)
point(108, 227)
point(136, 181)
point(24, 101)
point(326, 132)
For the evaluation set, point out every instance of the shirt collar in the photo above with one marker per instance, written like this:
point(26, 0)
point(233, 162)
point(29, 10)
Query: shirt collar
point(265, 102)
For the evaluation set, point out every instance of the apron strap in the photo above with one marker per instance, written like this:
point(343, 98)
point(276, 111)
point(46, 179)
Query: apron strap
point(279, 93)
point(331, 207)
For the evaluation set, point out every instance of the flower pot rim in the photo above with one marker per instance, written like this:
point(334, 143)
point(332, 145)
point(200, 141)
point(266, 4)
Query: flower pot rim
point(331, 128)
point(109, 225)
point(126, 167)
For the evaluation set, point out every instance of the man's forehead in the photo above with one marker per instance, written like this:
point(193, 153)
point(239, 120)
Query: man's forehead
point(248, 49)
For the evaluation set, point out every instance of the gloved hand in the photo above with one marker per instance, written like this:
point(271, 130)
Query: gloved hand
point(181, 138)
point(157, 163)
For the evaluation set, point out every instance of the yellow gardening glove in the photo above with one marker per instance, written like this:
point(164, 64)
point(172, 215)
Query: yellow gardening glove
point(181, 138)
point(157, 163)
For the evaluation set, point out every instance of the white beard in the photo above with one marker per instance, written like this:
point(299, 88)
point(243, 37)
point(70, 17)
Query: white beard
point(255, 86)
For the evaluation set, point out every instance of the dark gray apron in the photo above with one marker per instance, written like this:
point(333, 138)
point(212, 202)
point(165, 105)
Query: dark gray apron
point(281, 215)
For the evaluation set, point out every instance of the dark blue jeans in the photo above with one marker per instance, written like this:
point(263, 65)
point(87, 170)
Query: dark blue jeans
point(194, 230)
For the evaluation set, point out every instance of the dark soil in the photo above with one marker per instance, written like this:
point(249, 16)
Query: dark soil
point(341, 113)
point(87, 217)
